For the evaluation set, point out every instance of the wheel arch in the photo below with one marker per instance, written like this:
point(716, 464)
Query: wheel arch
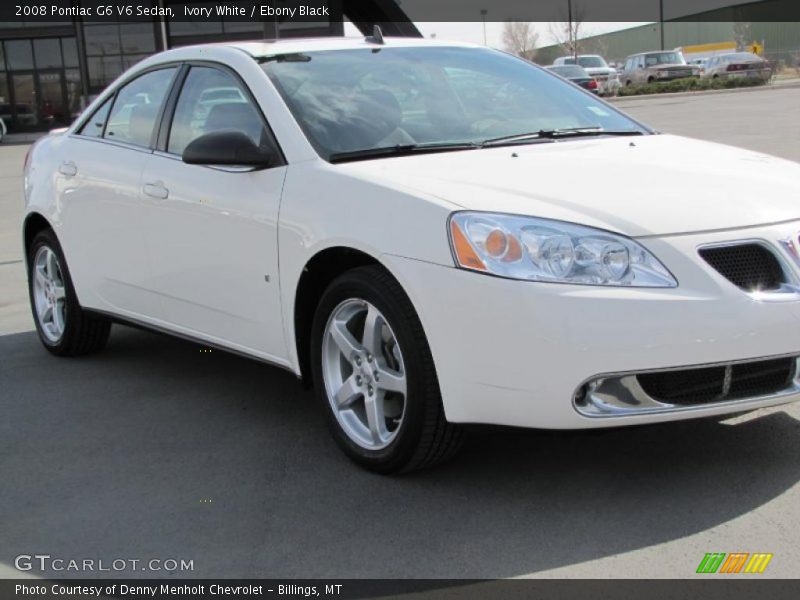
point(317, 274)
point(33, 224)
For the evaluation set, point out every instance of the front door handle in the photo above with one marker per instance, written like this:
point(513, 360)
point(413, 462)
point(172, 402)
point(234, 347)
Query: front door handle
point(68, 168)
point(156, 189)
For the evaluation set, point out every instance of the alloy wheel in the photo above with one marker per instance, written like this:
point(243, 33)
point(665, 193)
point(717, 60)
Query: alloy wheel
point(49, 294)
point(364, 374)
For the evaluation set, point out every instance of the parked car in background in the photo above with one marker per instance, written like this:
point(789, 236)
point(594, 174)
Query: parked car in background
point(576, 75)
point(737, 65)
point(698, 66)
point(596, 66)
point(647, 67)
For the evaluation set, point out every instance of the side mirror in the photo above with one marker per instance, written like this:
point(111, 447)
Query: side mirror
point(231, 148)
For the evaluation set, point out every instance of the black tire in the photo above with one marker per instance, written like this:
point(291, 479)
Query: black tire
point(424, 437)
point(83, 333)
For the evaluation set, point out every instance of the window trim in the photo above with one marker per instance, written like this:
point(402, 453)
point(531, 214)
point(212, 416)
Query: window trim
point(79, 130)
point(164, 118)
point(159, 114)
point(162, 140)
point(112, 93)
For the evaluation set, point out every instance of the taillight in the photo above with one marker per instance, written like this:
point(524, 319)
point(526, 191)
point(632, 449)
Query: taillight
point(592, 84)
point(736, 67)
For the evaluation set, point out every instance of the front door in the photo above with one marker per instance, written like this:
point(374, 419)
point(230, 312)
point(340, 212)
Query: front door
point(212, 232)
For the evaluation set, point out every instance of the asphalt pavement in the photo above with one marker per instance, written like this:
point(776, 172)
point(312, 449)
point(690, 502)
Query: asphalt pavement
point(156, 450)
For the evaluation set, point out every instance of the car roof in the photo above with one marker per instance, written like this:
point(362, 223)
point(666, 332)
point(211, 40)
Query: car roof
point(654, 52)
point(742, 53)
point(265, 48)
point(260, 49)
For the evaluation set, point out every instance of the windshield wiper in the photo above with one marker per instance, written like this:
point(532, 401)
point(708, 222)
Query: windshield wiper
point(400, 150)
point(551, 134)
point(541, 136)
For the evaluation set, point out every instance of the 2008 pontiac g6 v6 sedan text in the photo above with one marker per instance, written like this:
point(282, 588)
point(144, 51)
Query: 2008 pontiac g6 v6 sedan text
point(424, 231)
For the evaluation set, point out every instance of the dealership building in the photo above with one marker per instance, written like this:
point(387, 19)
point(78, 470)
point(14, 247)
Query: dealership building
point(50, 70)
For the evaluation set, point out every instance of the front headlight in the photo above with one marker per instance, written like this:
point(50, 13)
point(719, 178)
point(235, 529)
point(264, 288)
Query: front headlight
point(536, 249)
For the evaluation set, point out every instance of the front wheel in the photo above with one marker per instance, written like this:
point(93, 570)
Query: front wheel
point(63, 327)
point(374, 375)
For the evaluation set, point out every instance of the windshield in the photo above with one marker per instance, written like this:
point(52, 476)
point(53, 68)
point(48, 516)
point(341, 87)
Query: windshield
point(665, 58)
point(356, 100)
point(569, 71)
point(587, 62)
point(591, 62)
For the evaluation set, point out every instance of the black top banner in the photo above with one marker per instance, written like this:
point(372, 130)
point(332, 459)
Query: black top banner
point(378, 11)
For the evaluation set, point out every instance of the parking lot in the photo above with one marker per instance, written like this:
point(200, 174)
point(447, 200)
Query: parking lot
point(156, 450)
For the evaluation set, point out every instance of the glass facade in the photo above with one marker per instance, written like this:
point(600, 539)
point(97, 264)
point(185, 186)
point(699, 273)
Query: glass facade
point(50, 70)
point(112, 48)
point(40, 83)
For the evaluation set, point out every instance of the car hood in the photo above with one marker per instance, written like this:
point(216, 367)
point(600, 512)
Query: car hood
point(638, 186)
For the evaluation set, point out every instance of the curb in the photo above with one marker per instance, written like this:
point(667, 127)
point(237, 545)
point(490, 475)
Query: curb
point(791, 84)
point(15, 139)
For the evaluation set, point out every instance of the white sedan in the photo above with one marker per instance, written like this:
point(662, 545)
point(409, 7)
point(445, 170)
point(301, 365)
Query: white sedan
point(419, 230)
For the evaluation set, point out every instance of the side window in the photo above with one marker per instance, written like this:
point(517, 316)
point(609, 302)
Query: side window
point(135, 110)
point(94, 126)
point(213, 100)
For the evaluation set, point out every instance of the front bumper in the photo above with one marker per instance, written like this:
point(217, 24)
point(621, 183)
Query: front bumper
point(517, 353)
point(672, 75)
point(762, 74)
point(609, 85)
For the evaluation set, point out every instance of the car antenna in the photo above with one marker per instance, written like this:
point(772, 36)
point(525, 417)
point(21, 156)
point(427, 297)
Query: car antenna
point(377, 36)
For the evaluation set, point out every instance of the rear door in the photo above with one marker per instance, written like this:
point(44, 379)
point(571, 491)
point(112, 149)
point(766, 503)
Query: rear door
point(212, 231)
point(99, 176)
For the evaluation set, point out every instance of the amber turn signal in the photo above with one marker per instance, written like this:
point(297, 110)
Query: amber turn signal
point(465, 255)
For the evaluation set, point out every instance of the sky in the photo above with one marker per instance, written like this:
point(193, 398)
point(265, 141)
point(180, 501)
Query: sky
point(473, 32)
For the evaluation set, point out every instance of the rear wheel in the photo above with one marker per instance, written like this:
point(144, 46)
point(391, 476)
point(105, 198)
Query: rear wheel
point(63, 326)
point(374, 375)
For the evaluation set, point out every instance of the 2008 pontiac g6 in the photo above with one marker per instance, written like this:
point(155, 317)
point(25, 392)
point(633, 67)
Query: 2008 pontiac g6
point(422, 230)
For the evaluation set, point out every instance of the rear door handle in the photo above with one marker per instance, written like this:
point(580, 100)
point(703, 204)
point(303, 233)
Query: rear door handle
point(68, 168)
point(156, 189)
